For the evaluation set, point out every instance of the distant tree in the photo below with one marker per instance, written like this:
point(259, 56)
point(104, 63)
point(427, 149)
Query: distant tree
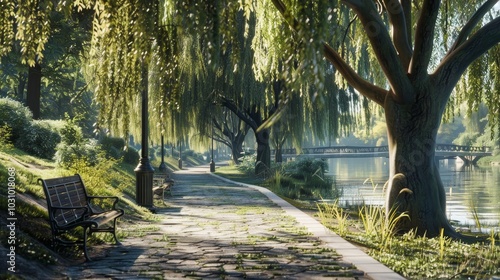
point(52, 79)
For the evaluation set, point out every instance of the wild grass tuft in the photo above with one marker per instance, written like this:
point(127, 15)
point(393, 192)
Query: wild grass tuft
point(328, 212)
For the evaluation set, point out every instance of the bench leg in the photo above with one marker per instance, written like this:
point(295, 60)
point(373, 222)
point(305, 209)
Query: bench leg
point(114, 234)
point(85, 229)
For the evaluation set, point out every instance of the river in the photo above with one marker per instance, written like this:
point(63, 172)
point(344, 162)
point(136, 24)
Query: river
point(469, 189)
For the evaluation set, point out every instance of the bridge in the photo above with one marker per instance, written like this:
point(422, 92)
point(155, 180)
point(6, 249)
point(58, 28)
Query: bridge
point(469, 154)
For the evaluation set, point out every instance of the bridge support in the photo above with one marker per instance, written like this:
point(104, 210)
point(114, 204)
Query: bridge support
point(470, 160)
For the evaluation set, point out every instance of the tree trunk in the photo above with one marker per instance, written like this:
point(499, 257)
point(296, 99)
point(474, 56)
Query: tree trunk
point(20, 86)
point(278, 156)
point(414, 184)
point(236, 150)
point(33, 94)
point(263, 162)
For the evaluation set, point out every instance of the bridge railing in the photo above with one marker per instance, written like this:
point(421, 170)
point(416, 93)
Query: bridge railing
point(380, 149)
point(460, 148)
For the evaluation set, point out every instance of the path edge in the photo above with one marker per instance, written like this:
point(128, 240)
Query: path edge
point(350, 253)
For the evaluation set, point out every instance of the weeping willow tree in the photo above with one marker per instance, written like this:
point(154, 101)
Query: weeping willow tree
point(229, 80)
point(418, 52)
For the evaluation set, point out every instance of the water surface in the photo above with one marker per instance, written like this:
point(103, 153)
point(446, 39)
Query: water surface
point(469, 189)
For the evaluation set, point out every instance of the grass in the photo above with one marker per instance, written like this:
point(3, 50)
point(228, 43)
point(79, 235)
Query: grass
point(32, 228)
point(231, 172)
point(412, 256)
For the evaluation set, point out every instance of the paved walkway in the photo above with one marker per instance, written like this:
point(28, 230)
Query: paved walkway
point(217, 229)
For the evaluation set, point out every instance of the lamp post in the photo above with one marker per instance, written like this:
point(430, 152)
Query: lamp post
point(144, 170)
point(212, 163)
point(180, 155)
point(163, 166)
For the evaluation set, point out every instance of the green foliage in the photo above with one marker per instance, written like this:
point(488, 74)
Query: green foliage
point(414, 257)
point(40, 138)
point(113, 146)
point(131, 156)
point(424, 258)
point(5, 136)
point(71, 133)
point(16, 116)
point(302, 179)
point(306, 168)
point(329, 212)
point(67, 154)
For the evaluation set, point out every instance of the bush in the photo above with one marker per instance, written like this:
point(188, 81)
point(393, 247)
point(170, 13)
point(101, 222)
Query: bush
point(113, 146)
point(16, 116)
point(88, 150)
point(5, 137)
point(71, 133)
point(306, 168)
point(131, 156)
point(40, 138)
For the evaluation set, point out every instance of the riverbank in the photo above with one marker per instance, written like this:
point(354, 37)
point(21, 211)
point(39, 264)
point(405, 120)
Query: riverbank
point(490, 160)
point(410, 255)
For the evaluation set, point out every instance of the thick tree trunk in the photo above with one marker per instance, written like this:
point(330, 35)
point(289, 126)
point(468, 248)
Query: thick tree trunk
point(414, 184)
point(33, 94)
point(263, 162)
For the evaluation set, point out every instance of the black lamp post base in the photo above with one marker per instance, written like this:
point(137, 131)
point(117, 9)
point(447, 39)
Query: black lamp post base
point(144, 183)
point(212, 166)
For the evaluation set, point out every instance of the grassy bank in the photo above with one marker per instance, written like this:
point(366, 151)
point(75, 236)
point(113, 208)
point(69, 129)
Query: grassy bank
point(487, 161)
point(34, 253)
point(410, 255)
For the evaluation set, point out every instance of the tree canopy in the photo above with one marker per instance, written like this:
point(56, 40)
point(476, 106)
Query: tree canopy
point(415, 60)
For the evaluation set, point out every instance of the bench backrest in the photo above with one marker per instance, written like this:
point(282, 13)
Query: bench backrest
point(159, 178)
point(65, 192)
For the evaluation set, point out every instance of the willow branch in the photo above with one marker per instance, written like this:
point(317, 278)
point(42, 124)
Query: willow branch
point(424, 35)
point(229, 104)
point(384, 50)
point(406, 5)
point(399, 26)
point(454, 65)
point(364, 87)
point(367, 89)
point(472, 23)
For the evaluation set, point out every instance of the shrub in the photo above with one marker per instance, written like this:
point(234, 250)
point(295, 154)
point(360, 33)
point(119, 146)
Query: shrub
point(131, 156)
point(14, 115)
point(113, 146)
point(40, 138)
point(87, 150)
point(71, 133)
point(306, 168)
point(5, 137)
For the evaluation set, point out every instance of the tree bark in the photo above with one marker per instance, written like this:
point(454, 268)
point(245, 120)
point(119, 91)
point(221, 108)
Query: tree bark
point(21, 85)
point(414, 184)
point(263, 162)
point(33, 94)
point(278, 156)
point(236, 152)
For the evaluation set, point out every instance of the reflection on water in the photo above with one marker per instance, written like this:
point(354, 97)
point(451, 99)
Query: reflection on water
point(467, 187)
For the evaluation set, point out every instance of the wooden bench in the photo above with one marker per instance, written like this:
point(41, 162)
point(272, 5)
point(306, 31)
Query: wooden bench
point(70, 206)
point(162, 184)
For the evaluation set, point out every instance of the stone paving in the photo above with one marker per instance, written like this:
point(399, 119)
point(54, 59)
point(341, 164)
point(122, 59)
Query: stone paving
point(212, 228)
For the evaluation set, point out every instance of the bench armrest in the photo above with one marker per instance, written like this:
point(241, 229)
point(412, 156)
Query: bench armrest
point(105, 197)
